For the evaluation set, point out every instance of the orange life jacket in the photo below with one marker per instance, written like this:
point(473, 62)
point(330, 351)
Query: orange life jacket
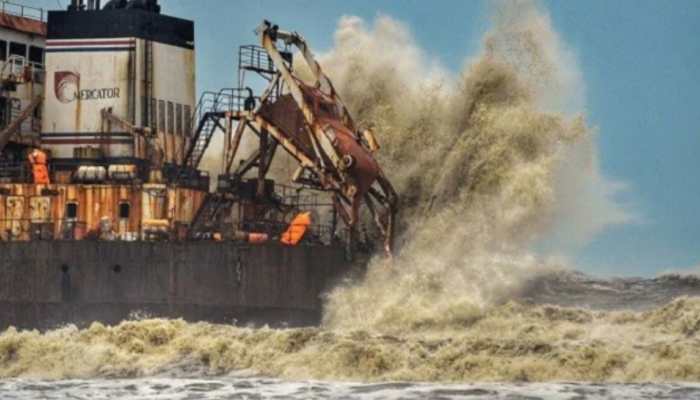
point(40, 171)
point(41, 174)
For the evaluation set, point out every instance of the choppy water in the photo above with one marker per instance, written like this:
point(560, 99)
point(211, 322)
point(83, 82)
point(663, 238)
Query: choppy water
point(256, 388)
point(575, 289)
point(159, 359)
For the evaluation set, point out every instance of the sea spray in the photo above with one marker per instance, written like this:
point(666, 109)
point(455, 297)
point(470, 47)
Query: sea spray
point(481, 162)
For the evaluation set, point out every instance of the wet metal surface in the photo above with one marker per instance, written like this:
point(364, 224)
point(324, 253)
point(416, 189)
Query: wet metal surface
point(47, 284)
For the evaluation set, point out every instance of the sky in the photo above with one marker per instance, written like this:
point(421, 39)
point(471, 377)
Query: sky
point(640, 62)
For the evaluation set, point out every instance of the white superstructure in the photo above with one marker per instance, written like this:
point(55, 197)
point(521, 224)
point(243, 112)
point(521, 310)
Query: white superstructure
point(135, 63)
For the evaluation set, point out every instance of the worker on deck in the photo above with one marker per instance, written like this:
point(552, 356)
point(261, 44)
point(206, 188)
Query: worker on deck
point(40, 169)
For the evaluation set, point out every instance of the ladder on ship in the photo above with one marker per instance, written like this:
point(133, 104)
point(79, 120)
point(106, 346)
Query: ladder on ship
point(206, 128)
point(211, 109)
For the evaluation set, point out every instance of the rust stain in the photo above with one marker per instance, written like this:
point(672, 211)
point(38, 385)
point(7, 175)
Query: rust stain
point(25, 204)
point(22, 24)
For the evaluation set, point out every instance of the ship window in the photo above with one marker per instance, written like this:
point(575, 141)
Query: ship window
point(188, 120)
point(71, 210)
point(124, 210)
point(36, 55)
point(171, 118)
point(178, 119)
point(18, 49)
point(3, 50)
point(161, 115)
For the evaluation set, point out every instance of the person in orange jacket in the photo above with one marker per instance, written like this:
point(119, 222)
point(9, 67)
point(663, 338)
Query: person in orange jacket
point(40, 169)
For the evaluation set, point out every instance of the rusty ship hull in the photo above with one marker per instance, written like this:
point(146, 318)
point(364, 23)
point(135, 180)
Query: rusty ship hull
point(46, 284)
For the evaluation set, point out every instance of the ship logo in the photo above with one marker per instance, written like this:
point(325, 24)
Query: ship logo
point(66, 86)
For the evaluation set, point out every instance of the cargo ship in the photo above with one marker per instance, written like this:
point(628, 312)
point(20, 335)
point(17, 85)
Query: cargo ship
point(105, 209)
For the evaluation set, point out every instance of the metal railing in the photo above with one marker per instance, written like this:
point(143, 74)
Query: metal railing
point(300, 197)
point(15, 171)
point(20, 10)
point(323, 229)
point(31, 229)
point(26, 229)
point(36, 229)
point(225, 100)
point(255, 58)
point(295, 199)
point(315, 233)
point(18, 70)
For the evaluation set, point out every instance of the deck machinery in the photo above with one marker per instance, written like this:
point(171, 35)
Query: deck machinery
point(308, 120)
point(105, 208)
